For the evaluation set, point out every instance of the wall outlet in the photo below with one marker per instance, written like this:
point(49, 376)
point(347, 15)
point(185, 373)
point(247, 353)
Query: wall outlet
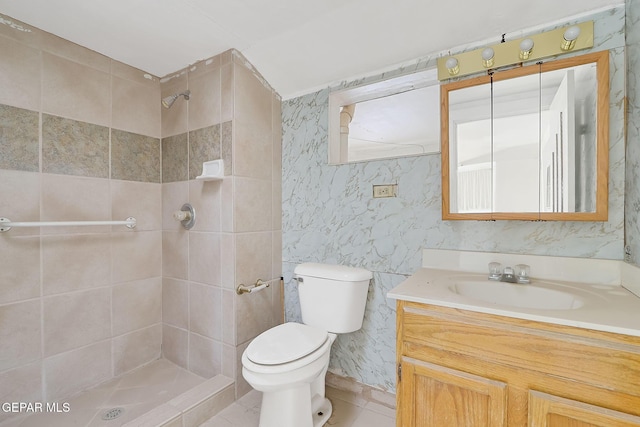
point(387, 190)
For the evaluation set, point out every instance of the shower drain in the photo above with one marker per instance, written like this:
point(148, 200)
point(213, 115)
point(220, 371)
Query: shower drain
point(112, 414)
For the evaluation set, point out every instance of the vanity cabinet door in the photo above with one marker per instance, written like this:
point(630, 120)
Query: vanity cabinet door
point(546, 410)
point(436, 396)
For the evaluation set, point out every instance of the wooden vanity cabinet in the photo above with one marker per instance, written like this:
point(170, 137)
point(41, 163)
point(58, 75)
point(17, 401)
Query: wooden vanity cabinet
point(458, 368)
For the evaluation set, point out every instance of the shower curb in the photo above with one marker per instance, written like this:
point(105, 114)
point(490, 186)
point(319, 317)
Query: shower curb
point(191, 408)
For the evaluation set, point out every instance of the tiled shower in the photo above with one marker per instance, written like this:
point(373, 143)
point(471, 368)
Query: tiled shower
point(84, 137)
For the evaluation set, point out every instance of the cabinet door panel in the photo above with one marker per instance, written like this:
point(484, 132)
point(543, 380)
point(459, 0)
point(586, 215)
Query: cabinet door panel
point(546, 410)
point(435, 396)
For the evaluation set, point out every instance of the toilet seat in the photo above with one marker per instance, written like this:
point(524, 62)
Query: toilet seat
point(286, 347)
point(285, 343)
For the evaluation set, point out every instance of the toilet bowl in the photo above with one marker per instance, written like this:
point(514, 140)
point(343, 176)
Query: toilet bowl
point(288, 363)
point(292, 385)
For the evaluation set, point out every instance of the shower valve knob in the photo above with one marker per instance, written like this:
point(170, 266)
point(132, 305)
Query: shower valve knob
point(186, 215)
point(181, 215)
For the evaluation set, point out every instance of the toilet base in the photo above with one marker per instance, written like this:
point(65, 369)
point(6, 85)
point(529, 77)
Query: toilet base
point(294, 408)
point(322, 414)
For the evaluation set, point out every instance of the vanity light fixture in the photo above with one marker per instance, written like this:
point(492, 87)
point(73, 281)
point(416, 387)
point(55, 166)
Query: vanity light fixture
point(526, 46)
point(452, 66)
point(569, 38)
point(488, 57)
point(534, 47)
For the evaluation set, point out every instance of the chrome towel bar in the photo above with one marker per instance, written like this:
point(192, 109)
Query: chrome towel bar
point(6, 224)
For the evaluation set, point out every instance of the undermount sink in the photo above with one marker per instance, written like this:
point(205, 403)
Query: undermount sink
point(516, 295)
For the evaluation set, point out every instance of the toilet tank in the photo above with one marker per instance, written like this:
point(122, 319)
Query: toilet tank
point(332, 297)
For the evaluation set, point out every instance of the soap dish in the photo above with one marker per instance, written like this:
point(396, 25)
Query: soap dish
point(212, 170)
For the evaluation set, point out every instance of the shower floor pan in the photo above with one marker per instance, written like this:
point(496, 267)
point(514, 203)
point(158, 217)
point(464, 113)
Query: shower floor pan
point(158, 394)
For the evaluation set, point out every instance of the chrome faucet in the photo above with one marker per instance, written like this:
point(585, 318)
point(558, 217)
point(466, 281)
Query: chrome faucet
point(508, 275)
point(520, 275)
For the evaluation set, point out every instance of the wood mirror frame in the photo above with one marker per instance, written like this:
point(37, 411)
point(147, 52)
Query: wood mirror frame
point(601, 59)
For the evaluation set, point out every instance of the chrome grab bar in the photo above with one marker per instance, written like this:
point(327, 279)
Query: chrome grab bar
point(6, 224)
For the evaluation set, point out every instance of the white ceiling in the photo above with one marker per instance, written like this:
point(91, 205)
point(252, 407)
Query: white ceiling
point(297, 45)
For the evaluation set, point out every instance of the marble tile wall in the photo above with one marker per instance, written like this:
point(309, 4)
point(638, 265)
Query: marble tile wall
point(71, 147)
point(234, 115)
point(80, 140)
point(20, 139)
point(175, 155)
point(204, 145)
point(134, 157)
point(329, 214)
point(632, 189)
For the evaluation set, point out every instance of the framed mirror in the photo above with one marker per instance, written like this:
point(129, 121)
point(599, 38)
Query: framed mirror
point(529, 143)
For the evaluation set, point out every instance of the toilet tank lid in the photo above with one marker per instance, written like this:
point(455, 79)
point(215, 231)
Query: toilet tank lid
point(333, 272)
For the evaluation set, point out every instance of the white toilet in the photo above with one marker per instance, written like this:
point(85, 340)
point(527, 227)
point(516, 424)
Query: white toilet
point(288, 363)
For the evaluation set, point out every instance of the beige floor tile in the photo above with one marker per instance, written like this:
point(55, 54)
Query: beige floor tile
point(218, 421)
point(244, 412)
point(347, 396)
point(380, 409)
point(349, 410)
point(343, 414)
point(239, 415)
point(251, 400)
point(373, 419)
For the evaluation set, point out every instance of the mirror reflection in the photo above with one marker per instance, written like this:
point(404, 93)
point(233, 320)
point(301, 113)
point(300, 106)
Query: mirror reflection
point(528, 143)
point(395, 117)
point(402, 124)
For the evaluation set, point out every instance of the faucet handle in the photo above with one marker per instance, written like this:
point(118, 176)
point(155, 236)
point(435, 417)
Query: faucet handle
point(495, 271)
point(522, 273)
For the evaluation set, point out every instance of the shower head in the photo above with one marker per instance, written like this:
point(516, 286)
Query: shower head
point(169, 100)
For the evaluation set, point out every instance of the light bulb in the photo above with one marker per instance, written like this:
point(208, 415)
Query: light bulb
point(526, 46)
point(569, 38)
point(452, 66)
point(488, 57)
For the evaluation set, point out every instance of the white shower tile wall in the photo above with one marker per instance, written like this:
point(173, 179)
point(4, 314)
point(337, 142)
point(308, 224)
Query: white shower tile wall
point(70, 156)
point(234, 115)
point(76, 299)
point(330, 216)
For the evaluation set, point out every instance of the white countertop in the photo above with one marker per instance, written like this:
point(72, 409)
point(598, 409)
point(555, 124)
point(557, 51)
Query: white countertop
point(606, 307)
